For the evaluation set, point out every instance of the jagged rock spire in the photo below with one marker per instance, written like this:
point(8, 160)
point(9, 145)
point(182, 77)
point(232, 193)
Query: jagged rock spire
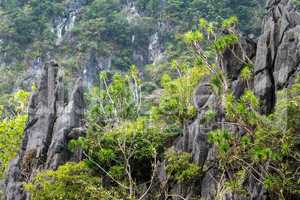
point(278, 51)
point(51, 119)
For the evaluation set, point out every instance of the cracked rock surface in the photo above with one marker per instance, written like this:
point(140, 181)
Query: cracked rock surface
point(278, 51)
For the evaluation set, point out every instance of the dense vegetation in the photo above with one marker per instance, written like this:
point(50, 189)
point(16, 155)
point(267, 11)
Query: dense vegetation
point(130, 131)
point(125, 143)
point(12, 124)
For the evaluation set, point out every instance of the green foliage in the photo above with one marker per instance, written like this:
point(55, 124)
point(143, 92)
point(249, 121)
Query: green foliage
point(297, 3)
point(217, 83)
point(123, 152)
point(119, 100)
point(176, 102)
point(11, 133)
point(20, 100)
point(222, 139)
point(106, 28)
point(244, 110)
point(71, 181)
point(30, 22)
point(8, 81)
point(225, 41)
point(231, 21)
point(180, 167)
point(122, 140)
point(102, 27)
point(110, 33)
point(214, 10)
point(210, 115)
point(208, 43)
point(141, 140)
point(235, 184)
point(268, 140)
point(246, 73)
point(122, 143)
point(12, 128)
point(193, 36)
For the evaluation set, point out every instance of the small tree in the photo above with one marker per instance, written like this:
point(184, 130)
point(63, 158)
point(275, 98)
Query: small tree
point(12, 127)
point(120, 142)
point(176, 105)
point(116, 98)
point(208, 43)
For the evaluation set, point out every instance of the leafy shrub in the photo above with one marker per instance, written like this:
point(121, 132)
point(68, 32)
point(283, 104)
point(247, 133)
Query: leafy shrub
point(179, 167)
point(116, 98)
point(176, 102)
point(71, 181)
point(269, 143)
point(12, 127)
point(138, 140)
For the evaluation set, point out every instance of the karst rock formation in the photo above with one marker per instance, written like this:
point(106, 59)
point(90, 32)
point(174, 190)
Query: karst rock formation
point(276, 58)
point(53, 121)
point(53, 118)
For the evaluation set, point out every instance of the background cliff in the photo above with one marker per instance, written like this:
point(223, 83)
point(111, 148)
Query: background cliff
point(86, 36)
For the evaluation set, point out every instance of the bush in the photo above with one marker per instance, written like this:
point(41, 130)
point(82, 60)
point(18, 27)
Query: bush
point(12, 126)
point(71, 181)
point(179, 167)
point(268, 149)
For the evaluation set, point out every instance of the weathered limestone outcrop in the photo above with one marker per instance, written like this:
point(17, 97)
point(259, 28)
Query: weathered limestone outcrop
point(203, 152)
point(52, 121)
point(276, 60)
point(278, 51)
point(195, 138)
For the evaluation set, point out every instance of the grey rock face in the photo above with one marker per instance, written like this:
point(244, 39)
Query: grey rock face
point(62, 25)
point(234, 57)
point(94, 65)
point(278, 51)
point(277, 59)
point(51, 120)
point(195, 138)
